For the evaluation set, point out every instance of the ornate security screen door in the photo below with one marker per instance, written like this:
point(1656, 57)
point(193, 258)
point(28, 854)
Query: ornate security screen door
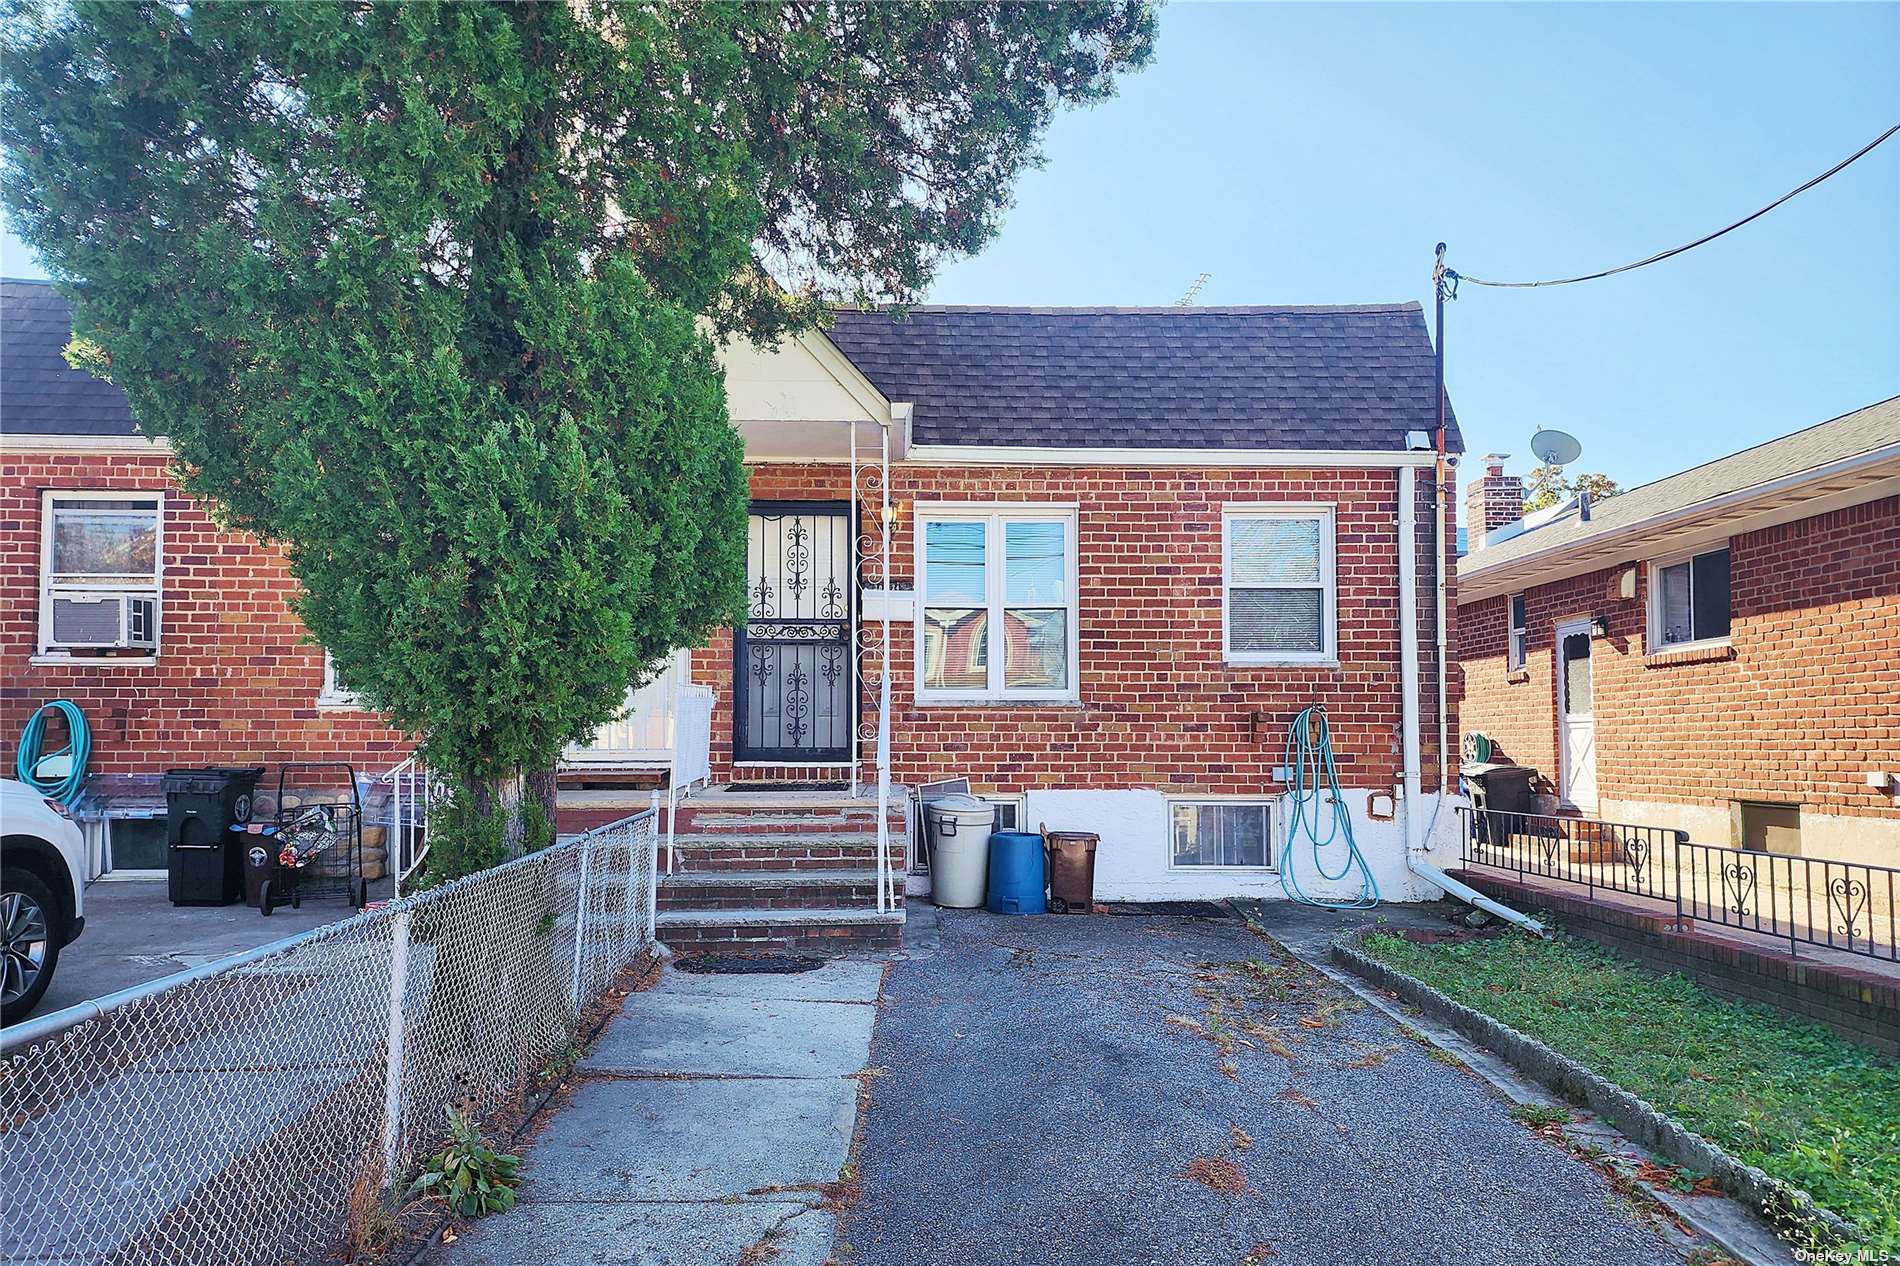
point(793, 656)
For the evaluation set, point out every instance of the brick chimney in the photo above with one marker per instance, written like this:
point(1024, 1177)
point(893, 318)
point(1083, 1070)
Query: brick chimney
point(1493, 500)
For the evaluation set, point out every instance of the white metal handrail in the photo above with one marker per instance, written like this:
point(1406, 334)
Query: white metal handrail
point(413, 789)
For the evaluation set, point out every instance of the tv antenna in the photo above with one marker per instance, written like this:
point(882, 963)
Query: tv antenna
point(1187, 300)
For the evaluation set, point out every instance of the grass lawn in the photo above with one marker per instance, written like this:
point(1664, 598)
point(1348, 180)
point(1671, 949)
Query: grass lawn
point(1791, 1097)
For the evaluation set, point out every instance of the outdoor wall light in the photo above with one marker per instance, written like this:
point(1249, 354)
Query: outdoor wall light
point(1599, 626)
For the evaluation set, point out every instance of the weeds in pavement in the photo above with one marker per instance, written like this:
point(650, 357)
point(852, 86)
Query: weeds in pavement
point(1538, 1115)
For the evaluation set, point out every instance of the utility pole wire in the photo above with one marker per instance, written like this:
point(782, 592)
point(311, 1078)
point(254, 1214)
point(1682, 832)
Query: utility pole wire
point(1687, 246)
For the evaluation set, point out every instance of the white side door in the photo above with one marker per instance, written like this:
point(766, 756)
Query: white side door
point(1576, 716)
point(643, 734)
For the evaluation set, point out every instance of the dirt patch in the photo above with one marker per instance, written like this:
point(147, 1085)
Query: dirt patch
point(1450, 936)
point(1217, 1174)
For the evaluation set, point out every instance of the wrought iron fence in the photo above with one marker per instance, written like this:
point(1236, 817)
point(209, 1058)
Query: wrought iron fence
point(238, 1113)
point(1849, 906)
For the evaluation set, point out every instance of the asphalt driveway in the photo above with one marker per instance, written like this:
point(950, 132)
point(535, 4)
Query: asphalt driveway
point(1168, 1090)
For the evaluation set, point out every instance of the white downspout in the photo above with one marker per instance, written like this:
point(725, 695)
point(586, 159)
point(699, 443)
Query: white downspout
point(1415, 847)
point(1408, 651)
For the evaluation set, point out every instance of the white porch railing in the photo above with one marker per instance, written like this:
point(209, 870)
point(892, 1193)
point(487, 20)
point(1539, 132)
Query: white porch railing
point(413, 789)
point(692, 752)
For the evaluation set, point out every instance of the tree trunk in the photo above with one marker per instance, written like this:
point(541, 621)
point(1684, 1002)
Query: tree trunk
point(542, 789)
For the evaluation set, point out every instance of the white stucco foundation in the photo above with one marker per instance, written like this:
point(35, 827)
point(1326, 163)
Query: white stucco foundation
point(1840, 837)
point(1132, 861)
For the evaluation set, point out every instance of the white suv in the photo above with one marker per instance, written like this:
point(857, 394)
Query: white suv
point(42, 894)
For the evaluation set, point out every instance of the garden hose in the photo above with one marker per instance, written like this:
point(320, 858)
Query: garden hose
point(78, 750)
point(1313, 790)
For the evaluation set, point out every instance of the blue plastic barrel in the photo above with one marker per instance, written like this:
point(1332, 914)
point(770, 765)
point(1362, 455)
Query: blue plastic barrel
point(1016, 880)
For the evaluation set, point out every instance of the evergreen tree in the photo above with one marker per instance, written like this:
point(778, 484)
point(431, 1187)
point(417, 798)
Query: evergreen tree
point(426, 292)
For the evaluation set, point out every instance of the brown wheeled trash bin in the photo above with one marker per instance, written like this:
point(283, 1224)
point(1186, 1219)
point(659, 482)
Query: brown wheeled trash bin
point(1071, 870)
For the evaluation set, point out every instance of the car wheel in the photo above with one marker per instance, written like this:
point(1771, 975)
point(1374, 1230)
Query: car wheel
point(29, 943)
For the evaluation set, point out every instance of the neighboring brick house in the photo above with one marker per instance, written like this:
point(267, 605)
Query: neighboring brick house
point(1185, 522)
point(1716, 652)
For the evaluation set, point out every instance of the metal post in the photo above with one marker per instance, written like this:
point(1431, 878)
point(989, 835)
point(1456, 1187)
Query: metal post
point(1682, 837)
point(653, 873)
point(856, 594)
point(887, 894)
point(580, 920)
point(396, 847)
point(392, 1050)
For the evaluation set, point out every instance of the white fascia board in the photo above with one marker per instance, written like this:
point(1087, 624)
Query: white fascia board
point(1671, 529)
point(1014, 455)
point(11, 442)
point(849, 376)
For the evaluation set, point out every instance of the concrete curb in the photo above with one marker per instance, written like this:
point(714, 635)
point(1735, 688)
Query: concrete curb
point(1781, 1203)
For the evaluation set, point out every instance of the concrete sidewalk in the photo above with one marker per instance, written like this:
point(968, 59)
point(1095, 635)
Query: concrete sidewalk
point(711, 1117)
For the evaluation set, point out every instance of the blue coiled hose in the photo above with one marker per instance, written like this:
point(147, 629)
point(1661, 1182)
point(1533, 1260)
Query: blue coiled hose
point(1315, 789)
point(79, 747)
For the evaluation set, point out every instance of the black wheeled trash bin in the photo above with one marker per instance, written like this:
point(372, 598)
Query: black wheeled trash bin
point(204, 856)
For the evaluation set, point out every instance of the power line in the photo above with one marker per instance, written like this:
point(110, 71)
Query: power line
point(1657, 258)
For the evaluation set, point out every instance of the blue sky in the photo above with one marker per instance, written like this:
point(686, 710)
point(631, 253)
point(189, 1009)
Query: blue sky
point(1313, 153)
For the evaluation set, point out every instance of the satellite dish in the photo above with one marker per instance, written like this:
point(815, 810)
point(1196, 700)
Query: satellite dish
point(1555, 448)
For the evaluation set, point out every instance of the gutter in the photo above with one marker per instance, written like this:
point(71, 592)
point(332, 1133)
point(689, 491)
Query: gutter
point(1480, 578)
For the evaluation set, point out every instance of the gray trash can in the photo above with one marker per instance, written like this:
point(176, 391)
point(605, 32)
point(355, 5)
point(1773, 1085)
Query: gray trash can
point(959, 828)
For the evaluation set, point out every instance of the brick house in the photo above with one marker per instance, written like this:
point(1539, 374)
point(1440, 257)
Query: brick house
point(1105, 554)
point(1716, 652)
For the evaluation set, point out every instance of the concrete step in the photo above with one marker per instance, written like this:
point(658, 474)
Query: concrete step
point(700, 853)
point(754, 929)
point(814, 889)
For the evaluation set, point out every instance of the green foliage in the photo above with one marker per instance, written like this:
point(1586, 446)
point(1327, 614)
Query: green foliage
point(1806, 1106)
point(464, 838)
point(426, 291)
point(1547, 485)
point(1540, 1114)
point(468, 1173)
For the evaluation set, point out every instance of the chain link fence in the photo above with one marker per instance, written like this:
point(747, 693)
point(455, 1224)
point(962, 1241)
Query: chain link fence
point(246, 1112)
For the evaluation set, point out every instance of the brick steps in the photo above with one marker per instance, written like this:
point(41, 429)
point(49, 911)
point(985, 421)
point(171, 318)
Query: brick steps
point(757, 929)
point(813, 889)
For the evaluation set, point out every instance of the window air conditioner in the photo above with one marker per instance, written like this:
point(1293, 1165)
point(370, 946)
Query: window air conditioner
point(104, 621)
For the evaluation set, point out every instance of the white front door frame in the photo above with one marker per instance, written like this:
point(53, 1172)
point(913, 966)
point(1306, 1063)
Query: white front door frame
point(1576, 739)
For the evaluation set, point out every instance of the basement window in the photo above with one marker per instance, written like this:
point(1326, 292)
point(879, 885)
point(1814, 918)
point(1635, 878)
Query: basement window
point(1220, 835)
point(1689, 599)
point(1516, 647)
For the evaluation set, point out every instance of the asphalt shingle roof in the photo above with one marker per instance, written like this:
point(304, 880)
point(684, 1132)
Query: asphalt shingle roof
point(40, 394)
point(1353, 377)
point(1862, 431)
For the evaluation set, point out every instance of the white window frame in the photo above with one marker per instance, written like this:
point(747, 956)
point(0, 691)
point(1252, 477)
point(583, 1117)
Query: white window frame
point(995, 514)
point(332, 694)
point(1517, 637)
point(1018, 802)
point(1653, 617)
point(48, 651)
point(1270, 804)
point(1327, 513)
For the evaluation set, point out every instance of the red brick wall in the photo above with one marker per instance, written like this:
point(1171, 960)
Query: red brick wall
point(234, 682)
point(1804, 702)
point(1158, 706)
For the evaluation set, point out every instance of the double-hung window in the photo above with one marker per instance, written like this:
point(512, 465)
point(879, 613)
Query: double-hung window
point(1278, 585)
point(1689, 599)
point(101, 557)
point(998, 615)
point(1516, 646)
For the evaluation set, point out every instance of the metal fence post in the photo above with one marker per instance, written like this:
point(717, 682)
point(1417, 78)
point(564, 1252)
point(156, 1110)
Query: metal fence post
point(392, 1050)
point(1675, 861)
point(580, 919)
